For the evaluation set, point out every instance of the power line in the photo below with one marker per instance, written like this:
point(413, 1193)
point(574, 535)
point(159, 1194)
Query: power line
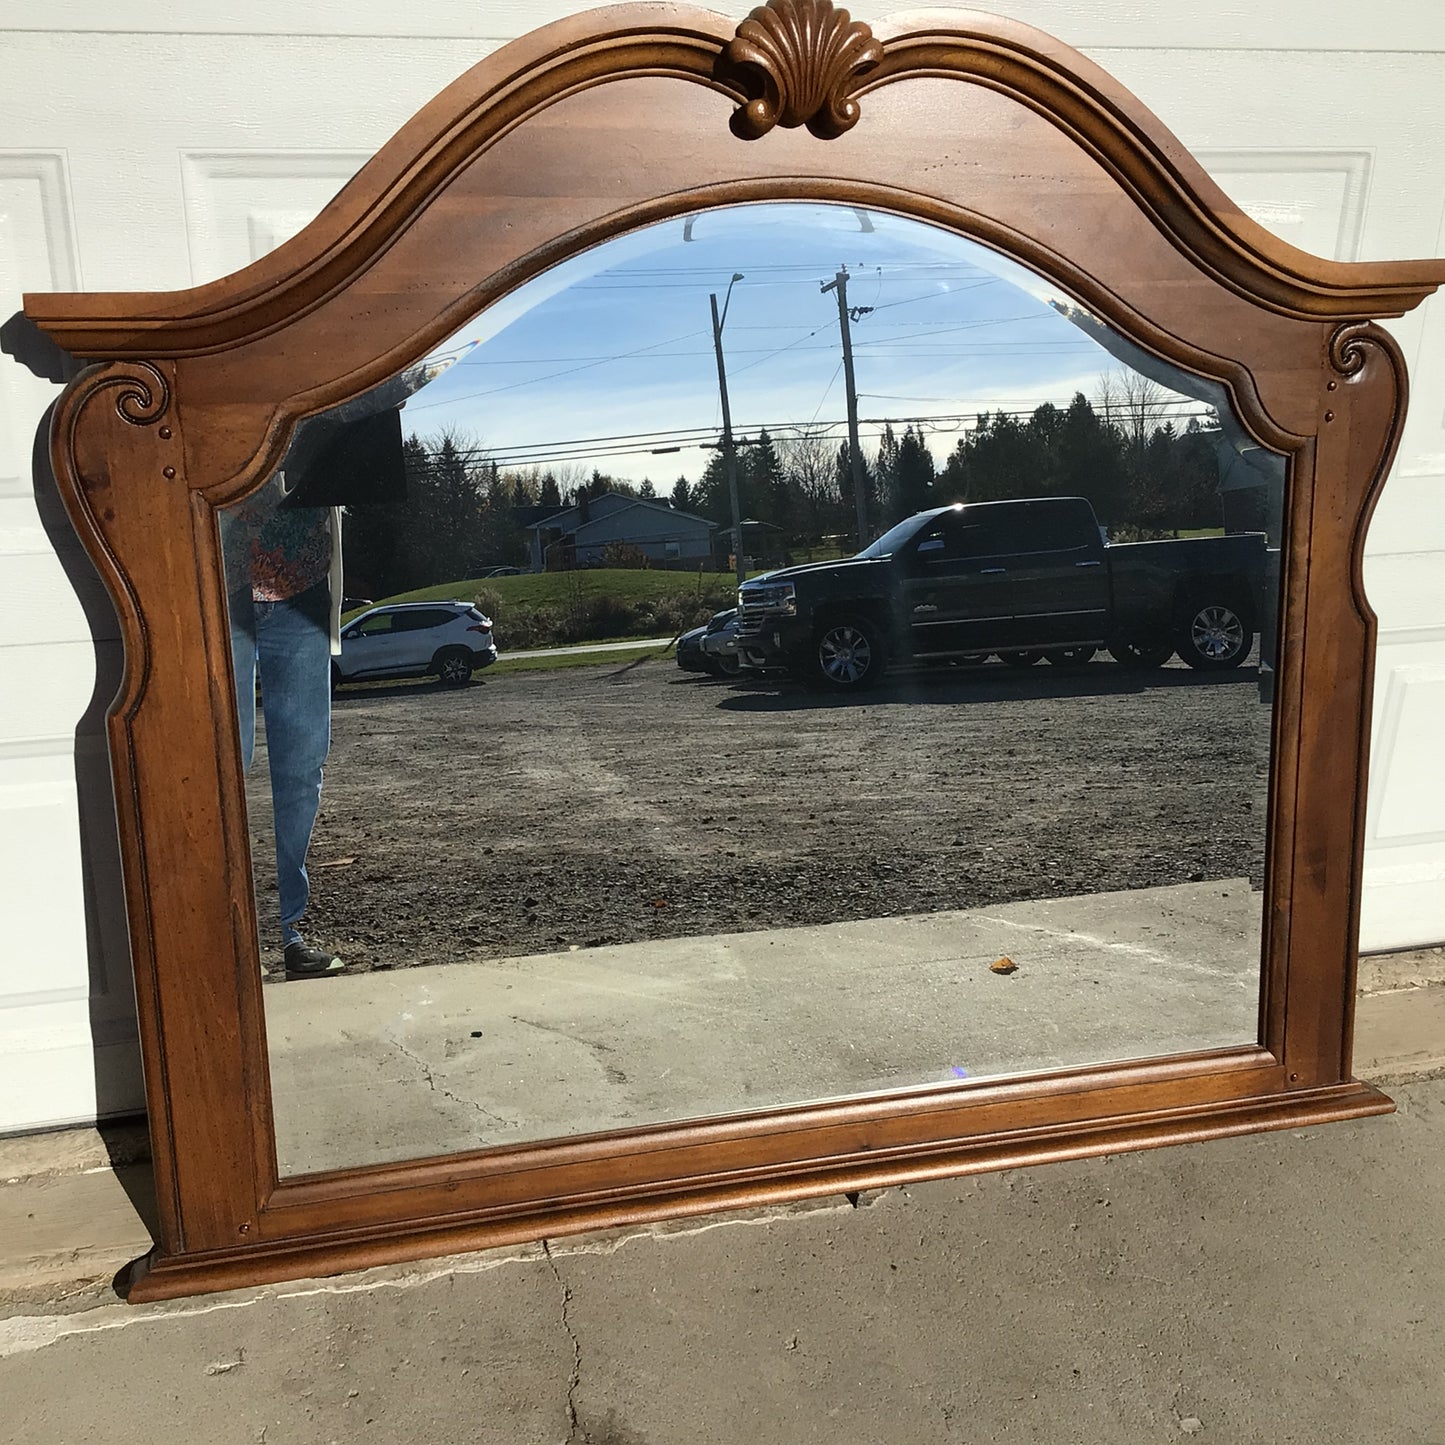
point(532, 381)
point(676, 439)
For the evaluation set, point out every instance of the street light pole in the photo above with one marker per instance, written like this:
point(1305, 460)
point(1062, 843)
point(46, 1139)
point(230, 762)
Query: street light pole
point(730, 465)
point(839, 283)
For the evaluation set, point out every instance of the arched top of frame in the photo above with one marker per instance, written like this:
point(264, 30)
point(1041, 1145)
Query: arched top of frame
point(790, 64)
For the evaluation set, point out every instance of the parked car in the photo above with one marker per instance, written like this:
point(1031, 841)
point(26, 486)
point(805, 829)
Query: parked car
point(447, 640)
point(711, 648)
point(1025, 580)
point(500, 572)
point(720, 643)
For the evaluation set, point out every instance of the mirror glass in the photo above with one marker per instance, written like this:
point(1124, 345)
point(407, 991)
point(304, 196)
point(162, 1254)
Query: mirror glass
point(562, 838)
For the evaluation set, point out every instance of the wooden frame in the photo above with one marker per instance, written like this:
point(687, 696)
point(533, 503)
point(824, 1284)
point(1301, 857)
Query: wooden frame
point(590, 127)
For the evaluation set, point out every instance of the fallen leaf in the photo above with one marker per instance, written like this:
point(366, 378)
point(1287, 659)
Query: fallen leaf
point(1003, 965)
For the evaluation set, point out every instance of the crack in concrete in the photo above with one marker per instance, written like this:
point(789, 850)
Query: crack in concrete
point(575, 1381)
point(446, 1093)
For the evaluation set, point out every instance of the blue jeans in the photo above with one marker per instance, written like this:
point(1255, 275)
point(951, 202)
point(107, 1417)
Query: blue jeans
point(289, 644)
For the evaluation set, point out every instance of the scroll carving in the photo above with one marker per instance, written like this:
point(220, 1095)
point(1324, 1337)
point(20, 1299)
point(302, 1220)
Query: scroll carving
point(806, 55)
point(142, 394)
point(1350, 346)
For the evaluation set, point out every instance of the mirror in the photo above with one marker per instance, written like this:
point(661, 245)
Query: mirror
point(776, 938)
point(979, 792)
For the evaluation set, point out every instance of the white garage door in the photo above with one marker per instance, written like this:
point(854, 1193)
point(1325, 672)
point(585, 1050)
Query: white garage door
point(138, 152)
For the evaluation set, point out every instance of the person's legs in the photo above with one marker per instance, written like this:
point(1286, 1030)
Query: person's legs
point(293, 643)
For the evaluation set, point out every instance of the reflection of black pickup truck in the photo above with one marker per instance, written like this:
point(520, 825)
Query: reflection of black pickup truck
point(1023, 579)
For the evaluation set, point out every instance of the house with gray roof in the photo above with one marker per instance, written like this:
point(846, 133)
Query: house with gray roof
point(580, 535)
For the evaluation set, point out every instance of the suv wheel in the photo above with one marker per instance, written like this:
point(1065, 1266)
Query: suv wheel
point(453, 666)
point(848, 655)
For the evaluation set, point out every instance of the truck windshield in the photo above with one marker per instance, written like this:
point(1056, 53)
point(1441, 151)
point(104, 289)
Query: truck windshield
point(896, 536)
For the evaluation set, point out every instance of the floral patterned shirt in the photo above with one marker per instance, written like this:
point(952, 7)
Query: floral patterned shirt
point(285, 550)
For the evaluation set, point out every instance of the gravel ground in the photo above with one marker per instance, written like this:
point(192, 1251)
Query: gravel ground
point(532, 812)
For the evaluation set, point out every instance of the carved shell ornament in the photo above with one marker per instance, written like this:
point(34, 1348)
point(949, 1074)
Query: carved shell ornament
point(806, 55)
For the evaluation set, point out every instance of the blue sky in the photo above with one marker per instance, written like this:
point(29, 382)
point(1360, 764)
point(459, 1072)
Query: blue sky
point(617, 342)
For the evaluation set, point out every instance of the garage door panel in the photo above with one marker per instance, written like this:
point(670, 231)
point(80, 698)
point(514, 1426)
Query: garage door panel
point(1314, 199)
point(37, 253)
point(1236, 24)
point(241, 204)
point(1409, 523)
point(40, 857)
point(54, 686)
point(1412, 812)
point(42, 604)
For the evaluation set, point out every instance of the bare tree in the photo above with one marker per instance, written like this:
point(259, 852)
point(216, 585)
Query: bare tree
point(1132, 405)
point(808, 459)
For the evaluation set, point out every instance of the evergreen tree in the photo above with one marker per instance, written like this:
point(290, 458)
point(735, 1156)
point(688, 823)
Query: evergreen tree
point(999, 459)
point(1091, 461)
point(1198, 501)
point(952, 484)
point(764, 487)
point(848, 502)
point(912, 478)
point(501, 541)
point(710, 496)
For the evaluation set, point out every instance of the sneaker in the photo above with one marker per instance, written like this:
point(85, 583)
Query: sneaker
point(303, 961)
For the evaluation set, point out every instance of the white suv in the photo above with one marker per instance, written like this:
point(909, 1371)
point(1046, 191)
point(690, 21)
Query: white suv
point(448, 640)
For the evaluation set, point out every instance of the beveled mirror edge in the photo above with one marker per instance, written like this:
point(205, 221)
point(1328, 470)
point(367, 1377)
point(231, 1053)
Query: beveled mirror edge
point(216, 1170)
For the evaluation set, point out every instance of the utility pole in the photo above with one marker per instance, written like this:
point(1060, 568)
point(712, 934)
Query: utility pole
point(839, 283)
point(730, 463)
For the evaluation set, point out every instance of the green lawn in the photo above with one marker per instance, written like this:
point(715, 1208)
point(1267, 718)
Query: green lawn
point(556, 589)
point(557, 608)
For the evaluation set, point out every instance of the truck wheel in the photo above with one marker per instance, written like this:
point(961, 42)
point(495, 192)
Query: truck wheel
point(848, 655)
point(1140, 656)
point(1069, 656)
point(1215, 635)
point(1019, 659)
